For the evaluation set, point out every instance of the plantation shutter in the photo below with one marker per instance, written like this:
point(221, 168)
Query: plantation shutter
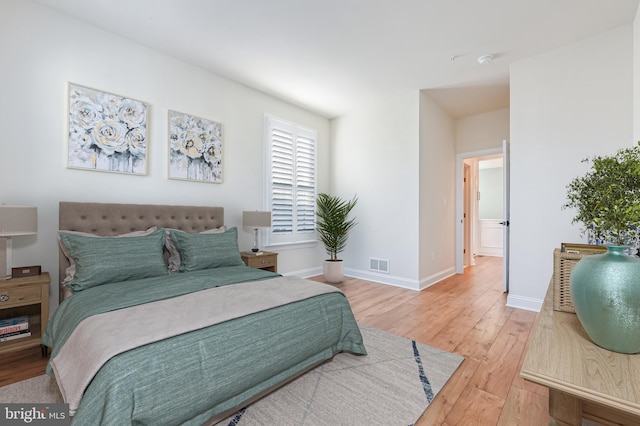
point(282, 174)
point(291, 181)
point(305, 181)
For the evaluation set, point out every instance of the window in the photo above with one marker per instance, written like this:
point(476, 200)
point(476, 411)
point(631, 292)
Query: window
point(291, 181)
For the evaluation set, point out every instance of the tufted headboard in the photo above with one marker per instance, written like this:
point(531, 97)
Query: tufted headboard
point(107, 219)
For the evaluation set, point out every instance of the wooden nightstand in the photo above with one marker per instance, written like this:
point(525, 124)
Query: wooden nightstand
point(26, 296)
point(267, 260)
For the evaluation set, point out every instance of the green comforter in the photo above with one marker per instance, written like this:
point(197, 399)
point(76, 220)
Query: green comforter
point(189, 378)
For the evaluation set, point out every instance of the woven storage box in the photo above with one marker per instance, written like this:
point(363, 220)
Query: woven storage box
point(563, 263)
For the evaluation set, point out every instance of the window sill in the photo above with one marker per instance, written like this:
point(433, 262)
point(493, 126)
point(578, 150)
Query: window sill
point(292, 246)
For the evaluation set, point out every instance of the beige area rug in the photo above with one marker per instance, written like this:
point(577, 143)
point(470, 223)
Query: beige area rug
point(392, 385)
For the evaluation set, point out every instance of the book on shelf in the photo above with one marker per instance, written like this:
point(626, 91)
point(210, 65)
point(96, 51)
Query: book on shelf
point(14, 321)
point(11, 328)
point(582, 248)
point(15, 335)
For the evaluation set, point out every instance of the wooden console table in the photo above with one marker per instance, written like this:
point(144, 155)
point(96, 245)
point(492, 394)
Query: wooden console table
point(584, 380)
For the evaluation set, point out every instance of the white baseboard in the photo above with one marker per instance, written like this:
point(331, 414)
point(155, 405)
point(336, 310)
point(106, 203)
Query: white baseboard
point(382, 278)
point(493, 252)
point(364, 275)
point(513, 301)
point(526, 303)
point(436, 278)
point(305, 273)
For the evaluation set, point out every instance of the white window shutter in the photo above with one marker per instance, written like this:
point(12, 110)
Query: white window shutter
point(291, 181)
point(305, 181)
point(282, 194)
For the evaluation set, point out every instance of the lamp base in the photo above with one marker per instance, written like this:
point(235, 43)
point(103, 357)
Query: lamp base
point(5, 258)
point(255, 248)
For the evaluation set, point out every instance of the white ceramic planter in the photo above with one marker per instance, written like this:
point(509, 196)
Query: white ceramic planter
point(333, 271)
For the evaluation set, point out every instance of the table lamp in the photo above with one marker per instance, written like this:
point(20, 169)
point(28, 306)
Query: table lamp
point(256, 220)
point(14, 221)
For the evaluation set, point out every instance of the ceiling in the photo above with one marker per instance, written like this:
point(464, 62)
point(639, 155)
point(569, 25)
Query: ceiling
point(329, 56)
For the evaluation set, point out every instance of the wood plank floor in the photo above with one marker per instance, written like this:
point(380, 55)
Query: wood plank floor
point(465, 314)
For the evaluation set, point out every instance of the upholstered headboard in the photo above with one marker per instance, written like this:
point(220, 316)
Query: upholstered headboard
point(107, 219)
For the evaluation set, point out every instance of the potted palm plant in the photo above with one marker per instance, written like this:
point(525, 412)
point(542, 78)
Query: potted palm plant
point(333, 226)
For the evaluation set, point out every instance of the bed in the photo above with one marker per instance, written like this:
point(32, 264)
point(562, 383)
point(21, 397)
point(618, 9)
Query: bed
point(160, 322)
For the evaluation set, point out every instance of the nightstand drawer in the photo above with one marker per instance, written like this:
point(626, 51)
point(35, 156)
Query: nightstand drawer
point(10, 296)
point(267, 260)
point(26, 296)
point(262, 261)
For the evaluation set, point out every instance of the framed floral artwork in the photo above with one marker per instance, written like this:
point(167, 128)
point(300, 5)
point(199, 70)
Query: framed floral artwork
point(195, 148)
point(107, 132)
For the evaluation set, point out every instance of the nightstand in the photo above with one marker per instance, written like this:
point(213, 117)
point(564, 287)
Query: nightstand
point(26, 296)
point(267, 260)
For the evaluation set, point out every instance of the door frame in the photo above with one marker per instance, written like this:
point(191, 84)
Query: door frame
point(506, 213)
point(460, 200)
point(470, 172)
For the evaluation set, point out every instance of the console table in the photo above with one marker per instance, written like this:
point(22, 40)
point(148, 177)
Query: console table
point(584, 380)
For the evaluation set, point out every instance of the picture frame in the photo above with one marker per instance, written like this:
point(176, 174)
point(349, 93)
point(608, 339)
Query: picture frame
point(107, 132)
point(195, 148)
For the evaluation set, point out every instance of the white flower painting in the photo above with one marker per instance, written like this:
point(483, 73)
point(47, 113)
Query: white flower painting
point(106, 132)
point(195, 148)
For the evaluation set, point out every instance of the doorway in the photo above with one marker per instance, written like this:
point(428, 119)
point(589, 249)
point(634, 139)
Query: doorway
point(490, 206)
point(482, 207)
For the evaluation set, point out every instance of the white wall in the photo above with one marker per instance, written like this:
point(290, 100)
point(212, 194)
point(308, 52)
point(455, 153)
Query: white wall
point(567, 104)
point(476, 136)
point(437, 192)
point(375, 155)
point(398, 156)
point(42, 50)
point(636, 76)
point(482, 131)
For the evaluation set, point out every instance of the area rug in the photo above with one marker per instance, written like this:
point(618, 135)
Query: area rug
point(392, 385)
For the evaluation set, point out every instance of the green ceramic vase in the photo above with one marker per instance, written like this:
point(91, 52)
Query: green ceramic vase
point(605, 289)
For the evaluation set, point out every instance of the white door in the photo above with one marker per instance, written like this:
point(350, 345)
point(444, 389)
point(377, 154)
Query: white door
point(467, 216)
point(505, 221)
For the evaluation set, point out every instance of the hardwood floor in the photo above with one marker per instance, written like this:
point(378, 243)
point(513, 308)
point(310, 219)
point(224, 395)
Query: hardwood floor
point(465, 314)
point(21, 365)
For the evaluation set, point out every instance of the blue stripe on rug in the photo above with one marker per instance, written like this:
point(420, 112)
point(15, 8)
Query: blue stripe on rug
point(423, 378)
point(236, 419)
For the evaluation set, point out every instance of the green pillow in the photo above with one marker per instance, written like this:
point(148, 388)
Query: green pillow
point(113, 259)
point(206, 251)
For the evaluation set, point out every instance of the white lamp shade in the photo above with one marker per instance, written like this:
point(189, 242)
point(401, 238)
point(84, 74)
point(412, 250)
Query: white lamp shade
point(256, 219)
point(18, 220)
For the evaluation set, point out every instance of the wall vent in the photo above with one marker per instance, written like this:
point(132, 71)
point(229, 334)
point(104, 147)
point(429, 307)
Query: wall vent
point(379, 265)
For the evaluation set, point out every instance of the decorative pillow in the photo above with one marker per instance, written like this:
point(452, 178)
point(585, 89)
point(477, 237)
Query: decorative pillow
point(174, 255)
point(113, 259)
point(71, 270)
point(205, 251)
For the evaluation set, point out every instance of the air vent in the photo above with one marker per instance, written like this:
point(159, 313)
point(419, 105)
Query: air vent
point(379, 265)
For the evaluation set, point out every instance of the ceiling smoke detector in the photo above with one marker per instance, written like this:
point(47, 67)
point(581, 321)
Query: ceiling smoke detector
point(485, 59)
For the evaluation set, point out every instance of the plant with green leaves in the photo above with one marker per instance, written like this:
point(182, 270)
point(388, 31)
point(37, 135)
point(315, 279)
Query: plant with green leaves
point(333, 223)
point(607, 198)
